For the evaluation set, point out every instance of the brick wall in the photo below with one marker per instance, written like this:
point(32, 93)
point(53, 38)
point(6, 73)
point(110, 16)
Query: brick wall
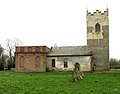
point(31, 61)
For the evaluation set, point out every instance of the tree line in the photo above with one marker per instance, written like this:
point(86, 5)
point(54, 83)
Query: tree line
point(7, 58)
point(114, 63)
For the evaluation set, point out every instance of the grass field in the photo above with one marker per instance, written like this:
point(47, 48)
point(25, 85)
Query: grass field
point(59, 83)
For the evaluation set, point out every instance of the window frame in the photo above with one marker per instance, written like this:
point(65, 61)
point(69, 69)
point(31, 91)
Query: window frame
point(53, 63)
point(65, 63)
point(97, 27)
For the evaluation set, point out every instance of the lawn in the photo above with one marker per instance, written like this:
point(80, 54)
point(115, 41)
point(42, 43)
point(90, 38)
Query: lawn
point(59, 83)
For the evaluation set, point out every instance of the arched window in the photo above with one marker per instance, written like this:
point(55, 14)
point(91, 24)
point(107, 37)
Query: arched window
point(97, 27)
point(37, 63)
point(21, 61)
point(65, 63)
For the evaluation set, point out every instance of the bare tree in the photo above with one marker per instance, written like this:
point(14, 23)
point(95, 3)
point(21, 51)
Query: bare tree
point(10, 48)
point(114, 63)
point(1, 50)
point(2, 59)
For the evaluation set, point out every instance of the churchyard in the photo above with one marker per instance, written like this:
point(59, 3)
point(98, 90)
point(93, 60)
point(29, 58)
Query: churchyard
point(59, 83)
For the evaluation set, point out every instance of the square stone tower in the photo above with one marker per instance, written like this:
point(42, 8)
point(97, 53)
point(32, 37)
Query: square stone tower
point(98, 38)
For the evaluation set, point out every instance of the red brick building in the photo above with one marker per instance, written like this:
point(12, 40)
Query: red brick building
point(31, 58)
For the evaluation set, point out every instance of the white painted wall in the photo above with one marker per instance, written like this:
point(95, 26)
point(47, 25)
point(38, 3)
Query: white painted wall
point(84, 61)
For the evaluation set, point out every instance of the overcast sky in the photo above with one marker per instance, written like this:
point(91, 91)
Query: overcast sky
point(61, 22)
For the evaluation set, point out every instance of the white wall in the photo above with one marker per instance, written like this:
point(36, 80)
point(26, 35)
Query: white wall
point(84, 61)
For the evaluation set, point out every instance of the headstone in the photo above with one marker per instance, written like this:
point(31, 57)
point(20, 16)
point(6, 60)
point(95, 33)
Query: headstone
point(77, 73)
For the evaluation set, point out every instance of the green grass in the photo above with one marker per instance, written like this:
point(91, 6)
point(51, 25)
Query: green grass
point(59, 83)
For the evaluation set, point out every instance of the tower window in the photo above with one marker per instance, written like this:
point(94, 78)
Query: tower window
point(97, 27)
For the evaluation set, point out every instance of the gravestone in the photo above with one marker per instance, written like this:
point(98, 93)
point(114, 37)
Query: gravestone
point(77, 73)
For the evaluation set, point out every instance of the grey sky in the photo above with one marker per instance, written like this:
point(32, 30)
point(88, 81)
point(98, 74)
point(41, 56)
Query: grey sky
point(49, 22)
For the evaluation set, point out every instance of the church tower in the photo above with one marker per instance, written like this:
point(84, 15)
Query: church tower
point(98, 38)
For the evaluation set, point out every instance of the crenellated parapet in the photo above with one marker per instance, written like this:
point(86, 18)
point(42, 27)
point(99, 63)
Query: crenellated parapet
point(97, 17)
point(105, 13)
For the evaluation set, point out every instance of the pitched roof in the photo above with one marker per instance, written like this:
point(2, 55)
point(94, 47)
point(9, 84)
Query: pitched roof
point(69, 50)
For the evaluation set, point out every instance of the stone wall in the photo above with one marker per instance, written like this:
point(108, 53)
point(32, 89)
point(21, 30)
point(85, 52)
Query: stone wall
point(84, 61)
point(98, 42)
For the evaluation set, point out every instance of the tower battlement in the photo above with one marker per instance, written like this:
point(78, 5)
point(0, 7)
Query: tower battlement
point(97, 12)
point(97, 17)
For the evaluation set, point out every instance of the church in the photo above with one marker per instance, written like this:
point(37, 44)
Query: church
point(92, 57)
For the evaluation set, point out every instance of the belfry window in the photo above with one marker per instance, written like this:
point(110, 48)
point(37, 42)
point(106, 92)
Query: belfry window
point(97, 27)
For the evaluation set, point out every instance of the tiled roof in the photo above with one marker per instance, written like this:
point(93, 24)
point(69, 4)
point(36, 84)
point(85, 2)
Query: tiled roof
point(69, 50)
